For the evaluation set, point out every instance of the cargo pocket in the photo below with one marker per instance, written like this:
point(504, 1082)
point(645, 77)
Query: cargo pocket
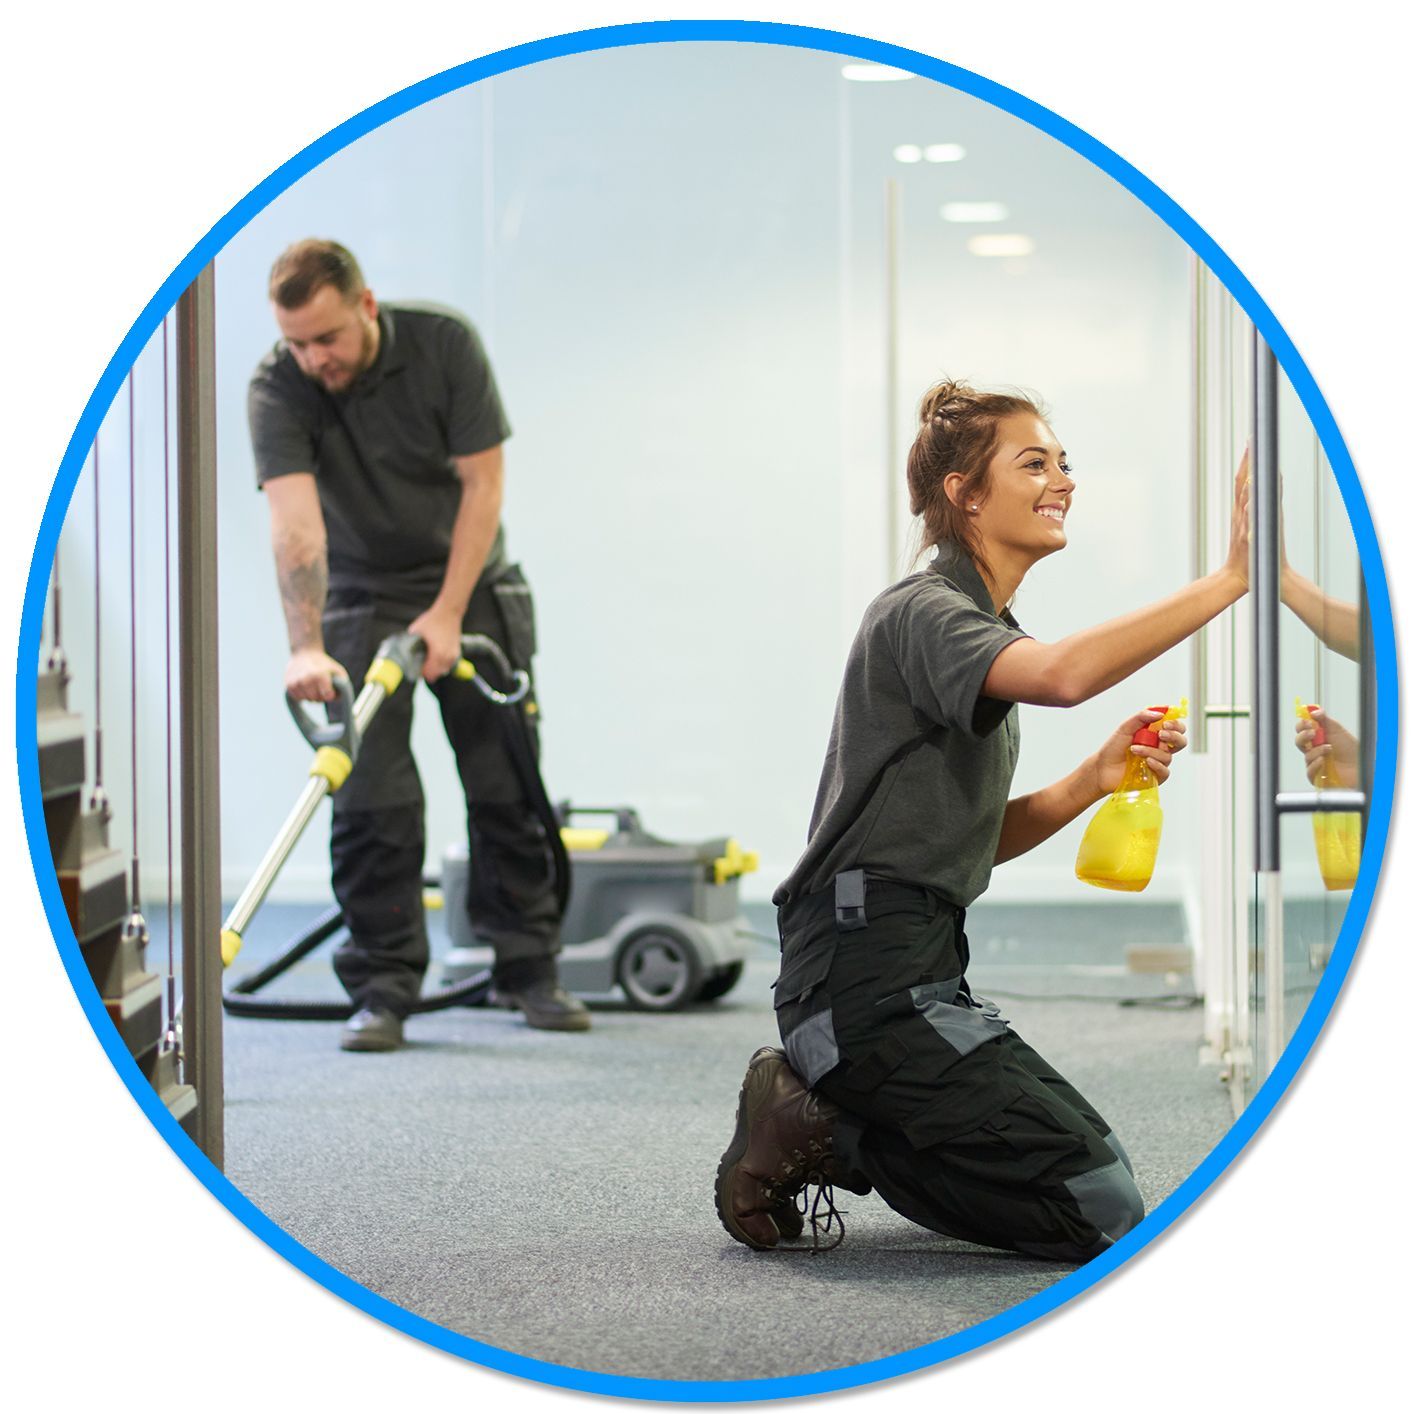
point(857, 1085)
point(804, 1018)
point(514, 605)
point(1039, 1141)
point(972, 1092)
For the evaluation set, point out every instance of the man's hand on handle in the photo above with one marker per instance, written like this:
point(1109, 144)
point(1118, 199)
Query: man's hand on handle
point(309, 675)
point(441, 632)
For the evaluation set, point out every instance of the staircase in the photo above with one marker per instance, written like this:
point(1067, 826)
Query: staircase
point(93, 881)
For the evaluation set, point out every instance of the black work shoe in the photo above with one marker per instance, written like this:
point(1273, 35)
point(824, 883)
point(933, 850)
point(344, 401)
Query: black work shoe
point(782, 1142)
point(547, 1005)
point(372, 1029)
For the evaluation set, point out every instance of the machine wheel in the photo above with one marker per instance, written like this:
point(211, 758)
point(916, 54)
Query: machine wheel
point(659, 970)
point(720, 982)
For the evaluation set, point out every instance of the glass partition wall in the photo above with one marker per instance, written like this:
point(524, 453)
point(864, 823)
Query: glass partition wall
point(1270, 923)
point(1221, 654)
point(1318, 681)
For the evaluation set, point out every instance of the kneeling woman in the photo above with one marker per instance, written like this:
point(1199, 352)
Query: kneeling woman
point(895, 1077)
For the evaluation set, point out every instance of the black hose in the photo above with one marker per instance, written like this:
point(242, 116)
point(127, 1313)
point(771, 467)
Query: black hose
point(475, 991)
point(325, 926)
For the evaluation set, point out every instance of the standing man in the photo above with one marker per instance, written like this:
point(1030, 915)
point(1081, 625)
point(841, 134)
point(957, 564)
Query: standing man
point(378, 434)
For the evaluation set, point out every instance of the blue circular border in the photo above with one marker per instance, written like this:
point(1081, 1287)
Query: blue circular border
point(1384, 645)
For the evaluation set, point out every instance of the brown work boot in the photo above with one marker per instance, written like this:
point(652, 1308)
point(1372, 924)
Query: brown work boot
point(532, 986)
point(782, 1142)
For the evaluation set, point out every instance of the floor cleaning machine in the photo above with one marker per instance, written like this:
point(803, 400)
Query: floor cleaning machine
point(656, 920)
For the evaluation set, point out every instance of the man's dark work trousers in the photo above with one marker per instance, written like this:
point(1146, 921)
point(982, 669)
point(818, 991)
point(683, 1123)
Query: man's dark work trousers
point(377, 835)
point(958, 1124)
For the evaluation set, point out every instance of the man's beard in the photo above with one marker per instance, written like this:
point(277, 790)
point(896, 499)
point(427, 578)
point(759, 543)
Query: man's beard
point(367, 336)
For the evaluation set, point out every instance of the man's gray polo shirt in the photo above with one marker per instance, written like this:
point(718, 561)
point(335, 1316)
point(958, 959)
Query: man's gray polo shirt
point(382, 450)
point(919, 764)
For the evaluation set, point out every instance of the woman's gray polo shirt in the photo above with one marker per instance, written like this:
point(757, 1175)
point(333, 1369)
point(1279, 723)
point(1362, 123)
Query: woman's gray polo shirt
point(919, 763)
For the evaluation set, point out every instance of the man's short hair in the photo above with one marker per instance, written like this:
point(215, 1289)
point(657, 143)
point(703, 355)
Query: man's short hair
point(306, 267)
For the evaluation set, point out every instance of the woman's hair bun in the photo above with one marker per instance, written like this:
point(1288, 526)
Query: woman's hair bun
point(945, 401)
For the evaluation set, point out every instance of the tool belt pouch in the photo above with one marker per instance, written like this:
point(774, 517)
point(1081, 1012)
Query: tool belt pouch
point(512, 595)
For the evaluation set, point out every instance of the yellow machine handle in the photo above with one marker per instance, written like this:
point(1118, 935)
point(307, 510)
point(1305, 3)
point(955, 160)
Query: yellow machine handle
point(333, 765)
point(388, 673)
point(583, 837)
point(732, 862)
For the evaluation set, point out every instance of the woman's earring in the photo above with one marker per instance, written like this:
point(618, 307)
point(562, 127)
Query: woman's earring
point(974, 508)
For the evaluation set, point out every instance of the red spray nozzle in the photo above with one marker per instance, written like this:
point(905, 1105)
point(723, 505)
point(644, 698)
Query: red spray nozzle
point(1149, 736)
point(1307, 712)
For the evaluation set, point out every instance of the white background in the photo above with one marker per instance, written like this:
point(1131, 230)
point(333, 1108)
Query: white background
point(130, 132)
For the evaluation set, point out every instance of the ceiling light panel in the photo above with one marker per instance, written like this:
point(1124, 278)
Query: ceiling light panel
point(1001, 245)
point(874, 73)
point(974, 211)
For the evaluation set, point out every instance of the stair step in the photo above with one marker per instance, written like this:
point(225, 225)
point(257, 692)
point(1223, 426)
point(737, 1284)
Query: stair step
point(60, 735)
point(160, 1067)
point(137, 1014)
point(116, 961)
point(51, 693)
point(96, 894)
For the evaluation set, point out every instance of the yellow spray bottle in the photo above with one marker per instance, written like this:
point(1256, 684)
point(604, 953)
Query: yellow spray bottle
point(1118, 849)
point(1338, 835)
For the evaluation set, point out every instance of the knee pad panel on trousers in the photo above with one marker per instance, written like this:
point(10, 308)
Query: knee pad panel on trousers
point(1109, 1200)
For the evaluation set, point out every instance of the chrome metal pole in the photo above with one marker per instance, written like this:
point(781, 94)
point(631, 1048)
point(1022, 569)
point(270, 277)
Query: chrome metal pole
point(197, 691)
point(1200, 520)
point(892, 295)
point(254, 894)
point(1264, 591)
point(370, 699)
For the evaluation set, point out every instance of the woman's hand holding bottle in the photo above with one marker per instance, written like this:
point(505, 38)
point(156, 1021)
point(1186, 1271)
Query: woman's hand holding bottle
point(1109, 764)
point(1330, 750)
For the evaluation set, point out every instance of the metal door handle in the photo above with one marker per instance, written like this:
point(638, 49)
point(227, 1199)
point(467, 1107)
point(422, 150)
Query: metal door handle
point(1319, 802)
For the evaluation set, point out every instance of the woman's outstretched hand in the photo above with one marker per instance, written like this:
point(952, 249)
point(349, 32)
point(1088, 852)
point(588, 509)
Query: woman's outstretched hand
point(1237, 560)
point(1110, 762)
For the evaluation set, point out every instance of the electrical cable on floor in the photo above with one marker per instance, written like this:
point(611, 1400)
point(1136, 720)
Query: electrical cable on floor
point(1178, 1001)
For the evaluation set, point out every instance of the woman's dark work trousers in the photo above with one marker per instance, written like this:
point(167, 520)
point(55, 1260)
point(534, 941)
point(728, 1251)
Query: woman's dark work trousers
point(377, 833)
point(955, 1121)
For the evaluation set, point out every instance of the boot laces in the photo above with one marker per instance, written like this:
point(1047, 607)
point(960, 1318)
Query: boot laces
point(818, 1209)
point(821, 1213)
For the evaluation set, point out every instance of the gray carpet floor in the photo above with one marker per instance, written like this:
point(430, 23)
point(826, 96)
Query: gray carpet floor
point(551, 1194)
